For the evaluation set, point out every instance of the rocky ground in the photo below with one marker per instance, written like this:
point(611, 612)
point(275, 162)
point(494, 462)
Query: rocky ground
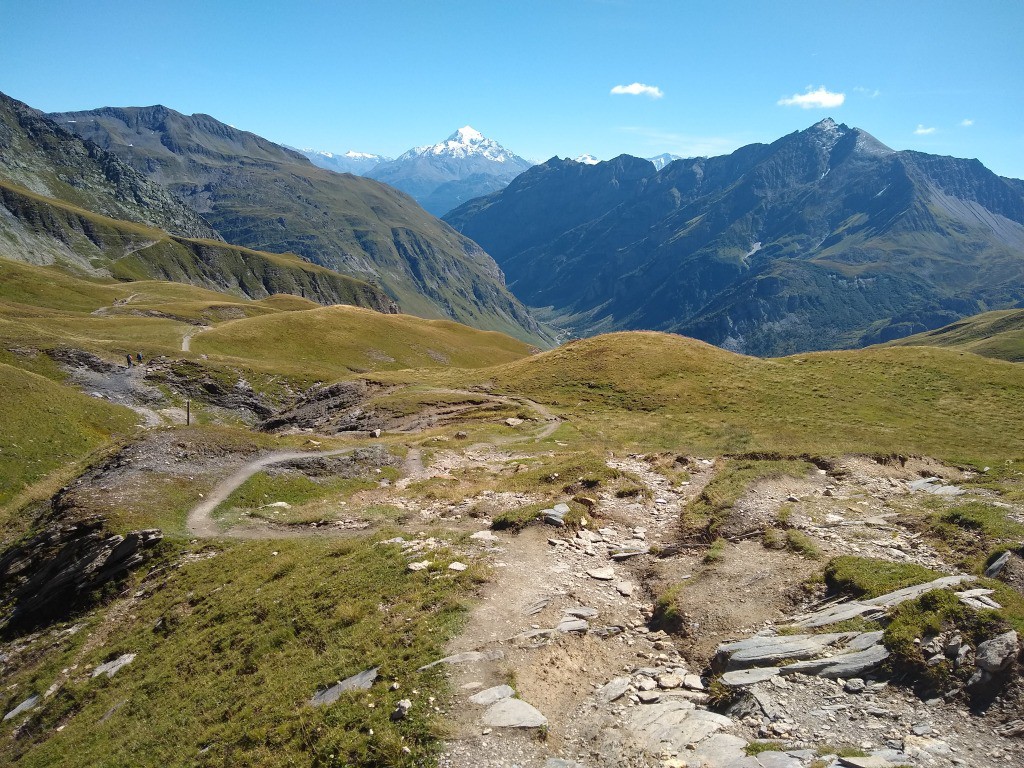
point(567, 658)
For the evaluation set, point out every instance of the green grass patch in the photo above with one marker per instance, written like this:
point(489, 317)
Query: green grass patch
point(802, 544)
point(48, 425)
point(870, 577)
point(231, 648)
point(667, 614)
point(757, 747)
point(975, 531)
point(928, 616)
point(716, 552)
point(517, 519)
point(705, 515)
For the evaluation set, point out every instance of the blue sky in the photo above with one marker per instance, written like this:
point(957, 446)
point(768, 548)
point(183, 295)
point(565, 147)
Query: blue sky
point(937, 76)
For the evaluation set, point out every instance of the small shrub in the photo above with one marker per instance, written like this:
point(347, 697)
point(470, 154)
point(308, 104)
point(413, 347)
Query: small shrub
point(801, 543)
point(716, 552)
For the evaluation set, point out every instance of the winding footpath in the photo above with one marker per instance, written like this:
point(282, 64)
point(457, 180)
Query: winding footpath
point(200, 519)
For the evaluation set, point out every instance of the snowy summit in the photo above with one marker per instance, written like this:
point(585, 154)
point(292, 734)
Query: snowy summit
point(465, 142)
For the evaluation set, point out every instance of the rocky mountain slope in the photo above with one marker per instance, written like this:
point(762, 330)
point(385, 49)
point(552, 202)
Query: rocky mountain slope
point(262, 195)
point(41, 156)
point(66, 201)
point(444, 175)
point(823, 239)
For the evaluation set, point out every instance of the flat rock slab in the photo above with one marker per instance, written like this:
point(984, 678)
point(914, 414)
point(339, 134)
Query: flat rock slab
point(25, 706)
point(513, 713)
point(582, 612)
point(740, 678)
point(359, 682)
point(491, 695)
point(871, 761)
point(111, 667)
point(558, 762)
point(914, 592)
point(613, 689)
point(851, 664)
point(769, 650)
point(844, 611)
point(466, 657)
point(484, 536)
point(773, 759)
point(573, 625)
point(722, 750)
point(672, 724)
point(836, 613)
point(602, 574)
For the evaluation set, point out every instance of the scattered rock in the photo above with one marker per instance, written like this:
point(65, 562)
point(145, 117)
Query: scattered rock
point(492, 695)
point(624, 588)
point(420, 565)
point(854, 685)
point(997, 565)
point(602, 574)
point(401, 710)
point(457, 566)
point(743, 677)
point(25, 706)
point(361, 681)
point(612, 690)
point(669, 681)
point(573, 625)
point(649, 697)
point(997, 654)
point(484, 536)
point(111, 667)
point(513, 713)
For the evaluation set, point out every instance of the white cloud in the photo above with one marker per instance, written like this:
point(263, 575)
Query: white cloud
point(871, 93)
point(814, 99)
point(638, 89)
point(922, 131)
point(966, 122)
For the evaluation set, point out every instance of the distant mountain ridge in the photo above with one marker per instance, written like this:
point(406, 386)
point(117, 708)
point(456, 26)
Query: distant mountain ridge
point(357, 163)
point(825, 238)
point(441, 176)
point(262, 195)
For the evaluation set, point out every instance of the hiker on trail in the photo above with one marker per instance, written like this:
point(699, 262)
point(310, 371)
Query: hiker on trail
point(129, 360)
point(138, 357)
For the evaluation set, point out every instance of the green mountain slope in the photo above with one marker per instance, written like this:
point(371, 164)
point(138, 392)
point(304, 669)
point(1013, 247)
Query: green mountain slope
point(992, 334)
point(823, 239)
point(261, 195)
point(44, 231)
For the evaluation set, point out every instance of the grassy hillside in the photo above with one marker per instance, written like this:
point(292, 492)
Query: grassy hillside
point(337, 341)
point(992, 334)
point(47, 425)
point(651, 391)
point(262, 195)
point(42, 230)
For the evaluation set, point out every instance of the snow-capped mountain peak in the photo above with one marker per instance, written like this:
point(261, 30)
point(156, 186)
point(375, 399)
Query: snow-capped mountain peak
point(587, 160)
point(359, 155)
point(465, 142)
